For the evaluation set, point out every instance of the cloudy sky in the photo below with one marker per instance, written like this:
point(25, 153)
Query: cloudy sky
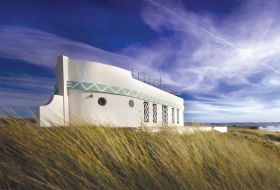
point(223, 55)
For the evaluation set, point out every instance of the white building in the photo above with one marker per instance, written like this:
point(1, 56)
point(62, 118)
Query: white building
point(100, 94)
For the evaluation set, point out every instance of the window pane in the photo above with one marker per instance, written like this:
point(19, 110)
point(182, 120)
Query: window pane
point(164, 114)
point(173, 115)
point(154, 113)
point(178, 116)
point(146, 111)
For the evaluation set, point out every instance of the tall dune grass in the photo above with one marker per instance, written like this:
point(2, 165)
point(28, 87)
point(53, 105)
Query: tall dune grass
point(90, 157)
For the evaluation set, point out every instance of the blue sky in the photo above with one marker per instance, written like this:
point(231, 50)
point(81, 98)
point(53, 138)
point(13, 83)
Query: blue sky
point(222, 54)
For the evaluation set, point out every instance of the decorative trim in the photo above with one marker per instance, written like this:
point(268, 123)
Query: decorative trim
point(118, 91)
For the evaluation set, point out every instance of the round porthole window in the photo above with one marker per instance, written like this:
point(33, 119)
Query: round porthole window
point(131, 103)
point(102, 101)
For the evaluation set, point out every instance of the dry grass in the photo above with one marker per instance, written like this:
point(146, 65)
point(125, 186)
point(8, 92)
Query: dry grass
point(268, 139)
point(104, 158)
point(274, 136)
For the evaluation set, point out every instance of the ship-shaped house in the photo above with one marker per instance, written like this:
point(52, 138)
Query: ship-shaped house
point(101, 94)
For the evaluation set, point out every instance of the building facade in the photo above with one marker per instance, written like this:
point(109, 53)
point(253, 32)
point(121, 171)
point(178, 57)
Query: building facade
point(100, 94)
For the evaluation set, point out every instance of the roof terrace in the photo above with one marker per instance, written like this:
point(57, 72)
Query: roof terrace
point(154, 82)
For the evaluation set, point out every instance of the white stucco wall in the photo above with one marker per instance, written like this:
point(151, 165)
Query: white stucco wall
point(81, 83)
point(222, 129)
point(84, 107)
point(92, 72)
point(51, 114)
point(62, 72)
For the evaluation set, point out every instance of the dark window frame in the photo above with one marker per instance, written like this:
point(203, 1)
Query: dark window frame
point(164, 114)
point(146, 111)
point(178, 116)
point(102, 101)
point(173, 115)
point(155, 113)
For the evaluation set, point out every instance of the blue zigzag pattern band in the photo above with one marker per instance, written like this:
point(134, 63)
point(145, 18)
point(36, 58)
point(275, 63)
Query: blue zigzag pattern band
point(94, 87)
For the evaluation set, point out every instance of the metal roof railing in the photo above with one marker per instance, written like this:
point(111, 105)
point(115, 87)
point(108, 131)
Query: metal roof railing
point(153, 82)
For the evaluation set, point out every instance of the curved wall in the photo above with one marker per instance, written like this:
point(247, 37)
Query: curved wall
point(82, 83)
point(88, 81)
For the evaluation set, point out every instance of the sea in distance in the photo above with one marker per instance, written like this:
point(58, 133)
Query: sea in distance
point(266, 126)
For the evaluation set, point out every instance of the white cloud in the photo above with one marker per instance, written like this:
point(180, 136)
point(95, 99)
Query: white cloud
point(42, 48)
point(25, 91)
point(241, 50)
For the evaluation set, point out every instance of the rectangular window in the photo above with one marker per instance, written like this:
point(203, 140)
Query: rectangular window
point(164, 114)
point(178, 116)
point(154, 113)
point(173, 115)
point(146, 111)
